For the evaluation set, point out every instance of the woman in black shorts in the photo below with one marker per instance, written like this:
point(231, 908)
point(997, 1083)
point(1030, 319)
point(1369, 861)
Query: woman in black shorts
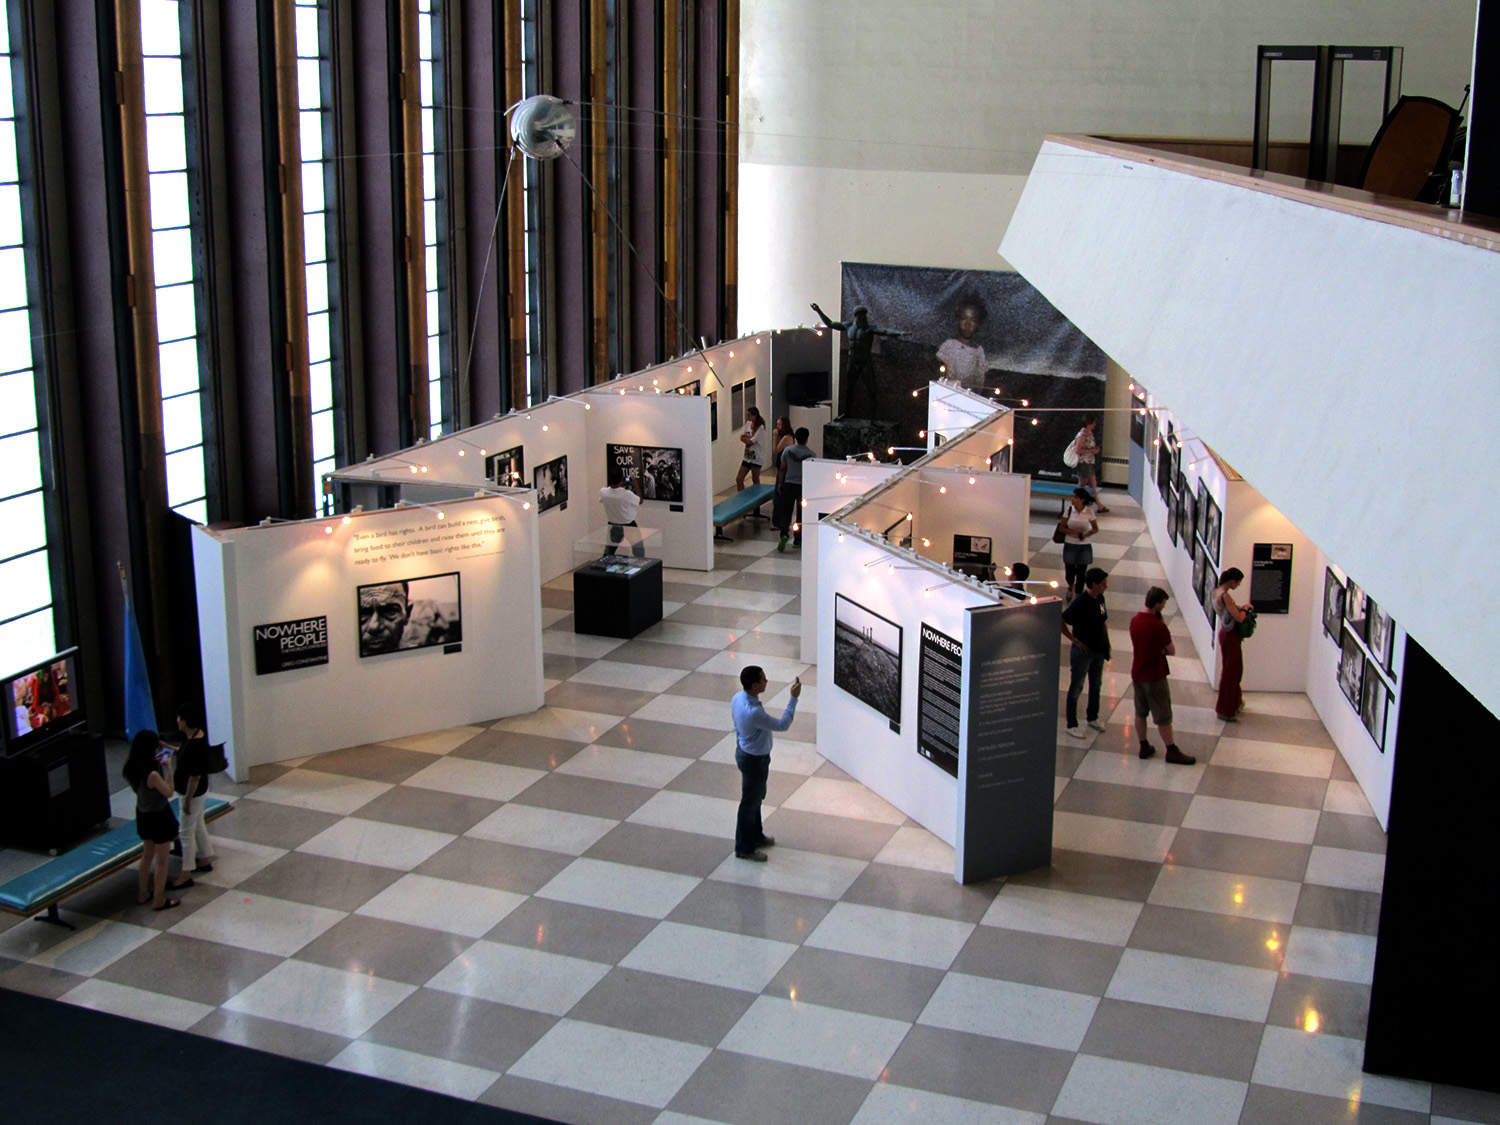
point(155, 822)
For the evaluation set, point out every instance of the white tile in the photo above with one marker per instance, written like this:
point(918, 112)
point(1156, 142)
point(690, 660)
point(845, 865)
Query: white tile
point(810, 1035)
point(1193, 984)
point(1124, 1093)
point(669, 607)
point(375, 842)
point(324, 792)
point(630, 767)
point(470, 778)
point(560, 722)
point(833, 797)
point(1058, 785)
point(457, 1080)
point(237, 861)
point(761, 600)
point(779, 669)
point(437, 741)
point(83, 953)
point(783, 565)
point(1287, 704)
point(718, 957)
point(1330, 953)
point(122, 804)
point(551, 617)
point(629, 1066)
point(1277, 757)
point(1004, 1009)
point(559, 642)
point(619, 886)
point(1139, 569)
point(790, 755)
point(1340, 867)
point(691, 812)
point(895, 935)
point(633, 677)
point(807, 702)
point(523, 978)
point(696, 577)
point(338, 1001)
point(1218, 892)
point(552, 829)
point(710, 713)
point(137, 1004)
point(1332, 1066)
point(901, 1105)
point(1348, 798)
point(1038, 910)
point(1252, 818)
point(798, 872)
point(258, 922)
point(442, 904)
point(713, 637)
point(1104, 835)
point(919, 849)
point(782, 624)
point(1195, 720)
point(1114, 768)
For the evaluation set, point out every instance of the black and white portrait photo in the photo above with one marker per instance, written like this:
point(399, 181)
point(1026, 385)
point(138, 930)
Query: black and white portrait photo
point(551, 483)
point(657, 468)
point(1379, 634)
point(1357, 611)
point(408, 614)
point(1351, 667)
point(1374, 705)
point(867, 657)
point(1000, 460)
point(507, 468)
point(1333, 604)
point(1212, 522)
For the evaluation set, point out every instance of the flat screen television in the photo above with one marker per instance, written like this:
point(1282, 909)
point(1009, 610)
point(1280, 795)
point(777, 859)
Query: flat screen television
point(808, 388)
point(42, 702)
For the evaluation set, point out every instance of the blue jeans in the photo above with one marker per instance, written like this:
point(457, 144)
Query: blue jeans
point(754, 769)
point(1084, 662)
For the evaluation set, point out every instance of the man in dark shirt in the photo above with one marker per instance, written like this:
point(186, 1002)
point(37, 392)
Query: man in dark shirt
point(1151, 643)
point(1083, 623)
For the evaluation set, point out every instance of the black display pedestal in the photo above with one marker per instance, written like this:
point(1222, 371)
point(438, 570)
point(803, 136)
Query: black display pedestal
point(52, 795)
point(617, 603)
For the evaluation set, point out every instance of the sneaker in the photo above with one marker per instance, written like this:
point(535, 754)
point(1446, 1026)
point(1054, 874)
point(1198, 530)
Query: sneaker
point(768, 841)
point(1096, 724)
point(1178, 758)
point(1147, 751)
point(781, 547)
point(753, 857)
point(1078, 732)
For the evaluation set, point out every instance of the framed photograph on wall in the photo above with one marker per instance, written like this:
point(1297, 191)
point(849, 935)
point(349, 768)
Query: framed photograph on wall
point(713, 415)
point(1206, 594)
point(867, 657)
point(1000, 460)
point(507, 467)
point(1213, 528)
point(551, 483)
point(1174, 505)
point(1333, 604)
point(693, 388)
point(658, 468)
point(1190, 529)
point(1351, 667)
point(737, 407)
point(411, 613)
point(1374, 706)
point(1164, 476)
point(1200, 567)
point(1380, 634)
point(1357, 611)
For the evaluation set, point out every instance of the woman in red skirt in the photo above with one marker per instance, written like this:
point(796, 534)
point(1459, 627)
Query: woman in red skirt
point(1231, 701)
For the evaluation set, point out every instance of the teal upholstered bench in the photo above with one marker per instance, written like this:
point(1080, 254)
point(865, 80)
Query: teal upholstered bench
point(1051, 488)
point(42, 888)
point(743, 503)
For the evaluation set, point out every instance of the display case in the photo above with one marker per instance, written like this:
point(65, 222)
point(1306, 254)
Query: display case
point(608, 541)
point(617, 595)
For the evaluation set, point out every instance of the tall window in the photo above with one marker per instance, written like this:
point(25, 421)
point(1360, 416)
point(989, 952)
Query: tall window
point(439, 406)
point(172, 257)
point(26, 626)
point(531, 196)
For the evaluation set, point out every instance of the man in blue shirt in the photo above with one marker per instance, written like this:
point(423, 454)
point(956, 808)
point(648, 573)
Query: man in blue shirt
point(752, 753)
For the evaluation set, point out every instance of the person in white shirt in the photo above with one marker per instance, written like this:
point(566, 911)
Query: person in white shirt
point(621, 501)
point(963, 358)
point(753, 437)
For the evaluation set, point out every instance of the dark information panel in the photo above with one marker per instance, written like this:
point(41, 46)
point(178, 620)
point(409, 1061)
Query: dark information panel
point(285, 645)
point(1009, 756)
point(939, 696)
point(1271, 578)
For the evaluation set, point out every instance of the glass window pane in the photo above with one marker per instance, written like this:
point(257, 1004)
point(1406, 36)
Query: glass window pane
point(432, 312)
point(169, 200)
point(429, 221)
point(322, 434)
point(10, 215)
point(20, 464)
point(312, 186)
point(179, 367)
point(311, 123)
point(429, 177)
point(184, 476)
point(429, 144)
point(174, 313)
point(165, 145)
point(197, 511)
point(25, 523)
point(317, 337)
point(434, 361)
point(320, 375)
point(12, 279)
point(317, 288)
point(25, 584)
point(321, 467)
point(159, 31)
point(309, 89)
point(432, 267)
point(424, 45)
point(314, 248)
point(307, 32)
point(28, 640)
point(15, 340)
point(8, 152)
point(17, 409)
point(163, 86)
point(7, 106)
point(172, 256)
point(182, 422)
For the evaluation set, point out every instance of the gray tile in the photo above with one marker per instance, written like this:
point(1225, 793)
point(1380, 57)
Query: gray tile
point(1268, 1105)
point(1038, 959)
point(1467, 1105)
point(680, 591)
point(272, 824)
point(1357, 833)
point(1337, 1007)
point(684, 1010)
point(601, 700)
point(1280, 728)
point(748, 910)
point(37, 980)
point(114, 897)
point(1264, 786)
point(511, 748)
point(560, 666)
point(451, 813)
point(554, 598)
point(318, 881)
point(705, 685)
point(1124, 802)
point(1242, 855)
point(1212, 937)
point(278, 1038)
point(564, 624)
point(828, 769)
point(464, 1029)
point(829, 835)
point(1341, 770)
point(788, 646)
point(267, 773)
point(741, 1090)
point(391, 950)
point(206, 972)
point(719, 615)
point(654, 737)
point(1069, 758)
point(373, 763)
point(658, 655)
point(979, 1068)
point(1333, 908)
point(611, 800)
point(574, 931)
point(662, 849)
point(844, 980)
point(720, 779)
point(922, 892)
point(764, 583)
point(558, 1103)
point(505, 867)
point(1087, 873)
point(1177, 1040)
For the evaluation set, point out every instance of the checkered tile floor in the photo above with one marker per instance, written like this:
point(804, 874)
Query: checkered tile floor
point(543, 913)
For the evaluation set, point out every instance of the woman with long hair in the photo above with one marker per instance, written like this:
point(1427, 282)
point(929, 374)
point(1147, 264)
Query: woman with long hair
point(1081, 518)
point(155, 822)
point(753, 437)
point(1229, 614)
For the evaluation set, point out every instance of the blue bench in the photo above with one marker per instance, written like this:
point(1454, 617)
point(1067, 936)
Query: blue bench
point(1051, 488)
point(42, 888)
point(747, 502)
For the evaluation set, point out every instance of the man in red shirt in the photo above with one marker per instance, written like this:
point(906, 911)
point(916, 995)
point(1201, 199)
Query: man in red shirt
point(1151, 644)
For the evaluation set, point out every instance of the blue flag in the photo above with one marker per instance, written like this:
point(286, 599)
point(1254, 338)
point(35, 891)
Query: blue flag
point(140, 709)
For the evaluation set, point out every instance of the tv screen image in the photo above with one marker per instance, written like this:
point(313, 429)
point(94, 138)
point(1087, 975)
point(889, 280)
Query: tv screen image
point(44, 700)
point(410, 614)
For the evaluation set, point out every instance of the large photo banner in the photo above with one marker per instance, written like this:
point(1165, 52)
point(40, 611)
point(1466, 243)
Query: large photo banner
point(987, 329)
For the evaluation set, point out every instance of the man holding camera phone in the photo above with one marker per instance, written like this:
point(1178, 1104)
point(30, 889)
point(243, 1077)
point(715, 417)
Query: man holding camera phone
point(752, 754)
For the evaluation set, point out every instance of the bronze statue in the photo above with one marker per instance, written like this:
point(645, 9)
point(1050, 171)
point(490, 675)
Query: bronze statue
point(860, 371)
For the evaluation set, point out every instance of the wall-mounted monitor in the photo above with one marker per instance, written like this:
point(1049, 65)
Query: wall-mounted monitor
point(808, 388)
point(44, 701)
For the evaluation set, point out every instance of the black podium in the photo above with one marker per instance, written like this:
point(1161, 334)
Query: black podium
point(616, 596)
point(54, 794)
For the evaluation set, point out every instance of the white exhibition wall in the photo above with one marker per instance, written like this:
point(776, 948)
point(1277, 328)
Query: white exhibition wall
point(800, 350)
point(975, 503)
point(253, 576)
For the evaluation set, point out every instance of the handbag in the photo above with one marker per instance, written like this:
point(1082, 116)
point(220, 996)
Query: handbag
point(1060, 532)
point(214, 758)
point(1070, 457)
point(1246, 626)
